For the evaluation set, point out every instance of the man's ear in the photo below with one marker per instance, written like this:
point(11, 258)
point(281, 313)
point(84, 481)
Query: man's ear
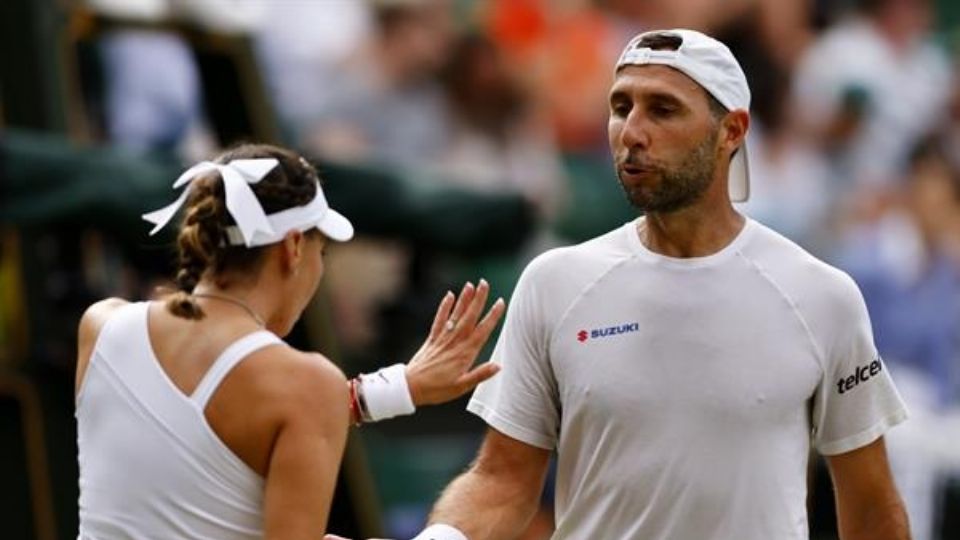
point(734, 129)
point(292, 248)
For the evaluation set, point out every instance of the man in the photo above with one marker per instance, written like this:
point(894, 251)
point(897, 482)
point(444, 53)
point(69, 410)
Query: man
point(682, 365)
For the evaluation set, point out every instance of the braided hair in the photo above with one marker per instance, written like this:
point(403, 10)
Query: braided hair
point(202, 245)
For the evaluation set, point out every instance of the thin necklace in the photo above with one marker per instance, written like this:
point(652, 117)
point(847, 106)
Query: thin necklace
point(235, 301)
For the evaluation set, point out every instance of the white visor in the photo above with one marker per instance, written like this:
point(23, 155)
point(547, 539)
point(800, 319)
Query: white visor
point(315, 214)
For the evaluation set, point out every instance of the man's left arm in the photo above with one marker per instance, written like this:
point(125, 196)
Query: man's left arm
point(868, 504)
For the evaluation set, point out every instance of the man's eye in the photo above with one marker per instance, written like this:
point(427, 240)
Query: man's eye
point(662, 110)
point(621, 109)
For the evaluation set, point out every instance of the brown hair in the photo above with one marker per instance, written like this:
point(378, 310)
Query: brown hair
point(202, 246)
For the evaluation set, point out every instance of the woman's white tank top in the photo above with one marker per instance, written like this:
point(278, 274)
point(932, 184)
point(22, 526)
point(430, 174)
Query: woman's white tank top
point(150, 464)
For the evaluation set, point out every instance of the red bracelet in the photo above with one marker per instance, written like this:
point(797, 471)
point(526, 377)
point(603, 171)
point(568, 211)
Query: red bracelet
point(354, 403)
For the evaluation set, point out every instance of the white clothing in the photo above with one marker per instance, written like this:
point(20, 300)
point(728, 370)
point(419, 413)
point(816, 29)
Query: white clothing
point(152, 89)
point(302, 46)
point(682, 395)
point(229, 16)
point(150, 464)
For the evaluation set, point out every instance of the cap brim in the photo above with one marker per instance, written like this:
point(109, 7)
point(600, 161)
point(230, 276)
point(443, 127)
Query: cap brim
point(335, 226)
point(739, 177)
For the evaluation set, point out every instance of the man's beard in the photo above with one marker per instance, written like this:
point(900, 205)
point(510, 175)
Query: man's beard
point(678, 187)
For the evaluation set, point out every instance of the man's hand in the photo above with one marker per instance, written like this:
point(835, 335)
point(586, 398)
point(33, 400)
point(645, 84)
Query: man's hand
point(441, 369)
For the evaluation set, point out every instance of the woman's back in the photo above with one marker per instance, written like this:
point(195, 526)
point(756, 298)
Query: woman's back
point(151, 464)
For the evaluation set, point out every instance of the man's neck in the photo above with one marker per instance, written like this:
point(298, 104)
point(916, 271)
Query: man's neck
point(696, 231)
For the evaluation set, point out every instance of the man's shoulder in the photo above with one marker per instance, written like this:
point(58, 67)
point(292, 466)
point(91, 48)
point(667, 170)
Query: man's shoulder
point(812, 283)
point(580, 261)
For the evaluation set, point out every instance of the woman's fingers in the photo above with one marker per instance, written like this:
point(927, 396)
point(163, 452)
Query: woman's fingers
point(469, 380)
point(466, 296)
point(483, 330)
point(443, 313)
point(472, 312)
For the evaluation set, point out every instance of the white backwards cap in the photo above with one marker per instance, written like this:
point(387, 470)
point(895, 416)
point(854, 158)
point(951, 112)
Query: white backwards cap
point(253, 227)
point(712, 65)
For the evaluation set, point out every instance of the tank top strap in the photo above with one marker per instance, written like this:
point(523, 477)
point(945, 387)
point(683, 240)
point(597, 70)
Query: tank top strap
point(230, 357)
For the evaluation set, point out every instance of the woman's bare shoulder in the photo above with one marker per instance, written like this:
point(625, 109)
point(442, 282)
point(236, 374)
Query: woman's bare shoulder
point(299, 380)
point(96, 314)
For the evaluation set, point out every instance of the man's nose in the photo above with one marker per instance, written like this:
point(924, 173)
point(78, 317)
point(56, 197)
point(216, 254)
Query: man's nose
point(636, 133)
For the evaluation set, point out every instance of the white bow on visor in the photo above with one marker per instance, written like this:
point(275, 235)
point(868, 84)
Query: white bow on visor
point(241, 202)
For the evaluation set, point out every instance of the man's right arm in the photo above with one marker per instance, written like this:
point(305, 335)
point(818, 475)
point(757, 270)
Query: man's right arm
point(499, 494)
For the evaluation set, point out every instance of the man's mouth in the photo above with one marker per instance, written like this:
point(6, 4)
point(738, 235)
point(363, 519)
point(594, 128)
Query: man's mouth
point(634, 169)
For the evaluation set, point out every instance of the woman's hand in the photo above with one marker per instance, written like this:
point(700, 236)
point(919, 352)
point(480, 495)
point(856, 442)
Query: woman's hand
point(441, 369)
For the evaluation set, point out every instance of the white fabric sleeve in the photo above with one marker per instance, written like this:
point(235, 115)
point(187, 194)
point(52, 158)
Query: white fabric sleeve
point(440, 531)
point(522, 400)
point(856, 401)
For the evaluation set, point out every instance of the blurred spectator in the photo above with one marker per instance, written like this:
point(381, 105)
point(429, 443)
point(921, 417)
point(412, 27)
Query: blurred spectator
point(912, 288)
point(386, 108)
point(302, 48)
point(387, 105)
point(789, 188)
point(871, 86)
point(952, 120)
point(569, 44)
point(910, 281)
point(226, 16)
point(496, 142)
point(563, 50)
point(790, 178)
point(152, 90)
point(151, 81)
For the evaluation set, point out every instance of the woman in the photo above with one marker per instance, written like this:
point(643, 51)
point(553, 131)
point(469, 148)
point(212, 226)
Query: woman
point(194, 419)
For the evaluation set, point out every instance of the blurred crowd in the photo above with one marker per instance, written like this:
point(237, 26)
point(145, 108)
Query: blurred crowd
point(854, 141)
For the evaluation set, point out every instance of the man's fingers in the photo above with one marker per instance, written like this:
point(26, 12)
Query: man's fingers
point(443, 313)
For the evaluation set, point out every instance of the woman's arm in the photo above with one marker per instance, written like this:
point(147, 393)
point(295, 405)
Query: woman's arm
point(306, 452)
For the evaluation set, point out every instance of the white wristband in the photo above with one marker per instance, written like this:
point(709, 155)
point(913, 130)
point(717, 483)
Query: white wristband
point(384, 394)
point(439, 531)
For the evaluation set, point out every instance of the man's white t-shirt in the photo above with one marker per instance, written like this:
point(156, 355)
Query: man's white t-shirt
point(682, 395)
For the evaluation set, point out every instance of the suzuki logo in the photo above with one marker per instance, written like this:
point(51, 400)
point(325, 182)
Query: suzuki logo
point(584, 335)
